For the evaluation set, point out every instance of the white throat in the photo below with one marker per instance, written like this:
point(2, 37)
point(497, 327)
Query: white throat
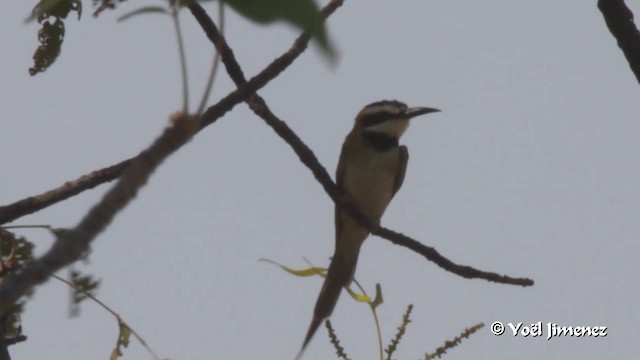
point(394, 128)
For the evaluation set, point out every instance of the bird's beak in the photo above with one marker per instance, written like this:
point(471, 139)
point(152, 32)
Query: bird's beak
point(417, 111)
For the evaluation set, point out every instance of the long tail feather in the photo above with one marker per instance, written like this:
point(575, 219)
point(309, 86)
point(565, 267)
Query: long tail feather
point(339, 275)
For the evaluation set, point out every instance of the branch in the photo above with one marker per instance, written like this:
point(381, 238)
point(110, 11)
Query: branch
point(619, 20)
point(133, 174)
point(32, 204)
point(260, 108)
point(72, 244)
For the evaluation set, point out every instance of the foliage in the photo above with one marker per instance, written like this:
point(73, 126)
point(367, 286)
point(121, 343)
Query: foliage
point(50, 14)
point(83, 286)
point(302, 14)
point(124, 335)
point(15, 252)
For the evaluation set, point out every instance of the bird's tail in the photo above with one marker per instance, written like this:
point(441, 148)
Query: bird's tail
point(339, 275)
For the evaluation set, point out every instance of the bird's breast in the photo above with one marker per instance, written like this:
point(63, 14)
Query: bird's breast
point(370, 180)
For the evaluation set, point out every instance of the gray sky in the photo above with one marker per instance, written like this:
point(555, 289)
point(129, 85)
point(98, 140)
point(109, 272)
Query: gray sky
point(530, 170)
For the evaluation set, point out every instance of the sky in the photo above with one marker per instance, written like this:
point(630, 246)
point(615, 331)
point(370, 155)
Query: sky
point(531, 170)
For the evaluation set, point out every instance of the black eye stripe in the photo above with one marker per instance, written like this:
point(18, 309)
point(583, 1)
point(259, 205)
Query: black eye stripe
point(377, 118)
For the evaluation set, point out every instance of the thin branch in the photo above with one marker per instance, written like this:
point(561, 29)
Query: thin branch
point(72, 244)
point(175, 15)
point(216, 63)
point(112, 312)
point(306, 155)
point(619, 20)
point(71, 188)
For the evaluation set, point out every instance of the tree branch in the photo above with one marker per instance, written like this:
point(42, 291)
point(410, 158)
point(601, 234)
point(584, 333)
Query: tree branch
point(619, 20)
point(72, 244)
point(133, 174)
point(306, 155)
point(33, 204)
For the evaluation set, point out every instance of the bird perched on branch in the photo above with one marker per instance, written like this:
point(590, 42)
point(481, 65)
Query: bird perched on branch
point(370, 171)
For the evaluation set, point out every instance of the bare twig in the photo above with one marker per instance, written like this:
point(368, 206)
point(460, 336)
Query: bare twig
point(216, 63)
point(306, 155)
point(619, 20)
point(175, 16)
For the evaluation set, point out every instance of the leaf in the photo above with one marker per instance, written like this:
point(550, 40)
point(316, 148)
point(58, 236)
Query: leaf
point(103, 5)
point(50, 13)
point(144, 10)
point(303, 14)
point(358, 297)
point(377, 300)
point(16, 250)
point(314, 270)
point(124, 335)
point(83, 286)
point(56, 8)
point(303, 272)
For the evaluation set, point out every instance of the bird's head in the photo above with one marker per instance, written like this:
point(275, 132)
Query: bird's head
point(388, 117)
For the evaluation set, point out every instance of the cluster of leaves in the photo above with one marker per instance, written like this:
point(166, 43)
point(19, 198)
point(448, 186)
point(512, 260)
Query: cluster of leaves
point(83, 286)
point(15, 251)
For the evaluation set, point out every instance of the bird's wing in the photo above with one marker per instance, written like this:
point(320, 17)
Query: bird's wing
point(340, 173)
point(404, 158)
point(339, 272)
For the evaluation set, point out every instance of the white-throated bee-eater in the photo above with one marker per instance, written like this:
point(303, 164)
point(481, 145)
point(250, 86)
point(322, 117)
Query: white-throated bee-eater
point(370, 171)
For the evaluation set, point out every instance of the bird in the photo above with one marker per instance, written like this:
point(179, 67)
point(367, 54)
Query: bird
point(370, 172)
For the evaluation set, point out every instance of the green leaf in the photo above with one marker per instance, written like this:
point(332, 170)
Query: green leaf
point(377, 300)
point(303, 14)
point(124, 334)
point(359, 297)
point(302, 272)
point(15, 250)
point(83, 286)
